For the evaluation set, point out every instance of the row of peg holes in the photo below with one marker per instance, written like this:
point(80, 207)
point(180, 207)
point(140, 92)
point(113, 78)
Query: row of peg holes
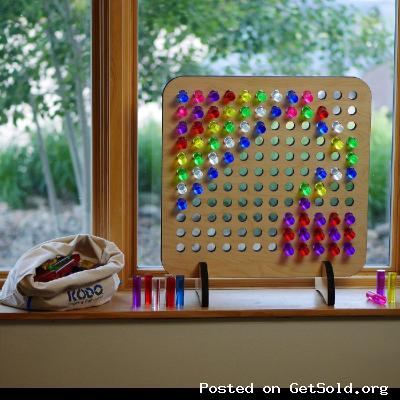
point(211, 247)
point(337, 95)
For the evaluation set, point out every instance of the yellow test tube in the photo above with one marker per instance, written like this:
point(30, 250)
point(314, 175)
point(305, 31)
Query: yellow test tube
point(391, 287)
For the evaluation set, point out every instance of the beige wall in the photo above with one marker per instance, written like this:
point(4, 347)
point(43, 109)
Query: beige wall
point(183, 353)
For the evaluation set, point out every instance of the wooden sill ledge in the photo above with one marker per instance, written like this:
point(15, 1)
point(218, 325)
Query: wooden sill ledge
point(233, 303)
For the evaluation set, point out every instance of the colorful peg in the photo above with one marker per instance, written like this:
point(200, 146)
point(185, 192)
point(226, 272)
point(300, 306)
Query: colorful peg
point(307, 97)
point(198, 97)
point(245, 96)
point(229, 96)
point(334, 219)
point(322, 128)
point(245, 127)
point(292, 97)
point(334, 249)
point(291, 112)
point(181, 143)
point(318, 249)
point(288, 234)
point(349, 249)
point(349, 218)
point(320, 174)
point(322, 113)
point(214, 143)
point(304, 203)
point(197, 128)
point(304, 235)
point(275, 112)
point(288, 250)
point(213, 113)
point(334, 234)
point(289, 219)
point(197, 112)
point(197, 189)
point(305, 189)
point(181, 188)
point(261, 96)
point(304, 250)
point(212, 173)
point(260, 127)
point(213, 96)
point(244, 142)
point(304, 219)
point(307, 112)
point(181, 204)
point(229, 142)
point(276, 96)
point(351, 173)
point(319, 235)
point(181, 128)
point(228, 158)
point(181, 112)
point(320, 189)
point(319, 219)
point(182, 96)
point(349, 234)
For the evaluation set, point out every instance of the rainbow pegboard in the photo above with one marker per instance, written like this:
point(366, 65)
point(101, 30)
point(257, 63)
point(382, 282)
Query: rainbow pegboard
point(273, 175)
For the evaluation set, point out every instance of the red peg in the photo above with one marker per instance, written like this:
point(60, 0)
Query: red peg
point(322, 113)
point(288, 234)
point(212, 113)
point(304, 220)
point(334, 219)
point(181, 143)
point(197, 128)
point(319, 235)
point(304, 250)
point(334, 249)
point(349, 234)
point(228, 96)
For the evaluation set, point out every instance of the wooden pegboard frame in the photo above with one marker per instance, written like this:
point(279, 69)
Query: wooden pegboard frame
point(265, 263)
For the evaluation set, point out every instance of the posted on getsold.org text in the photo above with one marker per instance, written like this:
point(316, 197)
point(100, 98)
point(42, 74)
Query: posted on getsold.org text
point(295, 388)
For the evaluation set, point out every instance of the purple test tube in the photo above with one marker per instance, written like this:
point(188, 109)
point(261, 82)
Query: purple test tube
point(380, 282)
point(137, 291)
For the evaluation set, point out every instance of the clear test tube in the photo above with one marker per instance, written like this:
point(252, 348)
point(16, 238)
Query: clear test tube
point(156, 293)
point(380, 282)
point(391, 287)
point(137, 292)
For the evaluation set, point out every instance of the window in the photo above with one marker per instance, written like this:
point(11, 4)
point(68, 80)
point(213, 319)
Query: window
point(322, 37)
point(45, 123)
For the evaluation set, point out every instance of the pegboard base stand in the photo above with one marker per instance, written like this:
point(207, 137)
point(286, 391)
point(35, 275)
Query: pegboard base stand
point(202, 284)
point(325, 284)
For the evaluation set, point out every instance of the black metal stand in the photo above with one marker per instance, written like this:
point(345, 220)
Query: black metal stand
point(202, 285)
point(325, 284)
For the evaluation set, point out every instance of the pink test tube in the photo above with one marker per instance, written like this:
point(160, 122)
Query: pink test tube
point(156, 293)
point(380, 282)
point(376, 298)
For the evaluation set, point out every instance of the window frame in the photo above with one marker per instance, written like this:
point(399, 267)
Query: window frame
point(114, 122)
point(123, 230)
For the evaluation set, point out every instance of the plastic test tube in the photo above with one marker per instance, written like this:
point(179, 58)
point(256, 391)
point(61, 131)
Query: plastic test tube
point(137, 292)
point(170, 291)
point(391, 287)
point(180, 291)
point(376, 298)
point(147, 289)
point(156, 293)
point(380, 282)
